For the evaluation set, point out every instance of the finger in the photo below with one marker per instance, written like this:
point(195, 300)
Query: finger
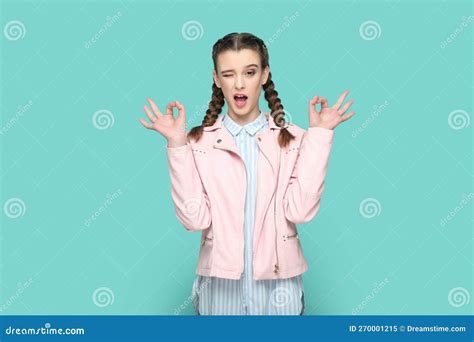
point(182, 111)
point(340, 100)
point(348, 116)
point(345, 107)
point(146, 124)
point(150, 115)
point(169, 108)
point(313, 102)
point(155, 108)
point(324, 102)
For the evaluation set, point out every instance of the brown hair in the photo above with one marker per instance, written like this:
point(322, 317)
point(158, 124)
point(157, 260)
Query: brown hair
point(235, 42)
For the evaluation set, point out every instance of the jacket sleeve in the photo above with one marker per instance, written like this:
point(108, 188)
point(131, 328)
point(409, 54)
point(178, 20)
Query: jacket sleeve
point(190, 199)
point(302, 197)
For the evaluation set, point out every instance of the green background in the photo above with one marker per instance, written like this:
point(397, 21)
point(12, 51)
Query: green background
point(408, 150)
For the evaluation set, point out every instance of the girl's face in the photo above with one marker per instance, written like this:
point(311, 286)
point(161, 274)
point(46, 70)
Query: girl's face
point(240, 76)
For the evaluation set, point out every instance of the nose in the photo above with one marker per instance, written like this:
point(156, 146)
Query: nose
point(239, 82)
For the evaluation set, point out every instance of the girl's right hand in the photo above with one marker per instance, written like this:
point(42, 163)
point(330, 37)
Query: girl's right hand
point(174, 130)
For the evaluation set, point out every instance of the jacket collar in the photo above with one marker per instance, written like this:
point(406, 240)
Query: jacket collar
point(269, 118)
point(266, 140)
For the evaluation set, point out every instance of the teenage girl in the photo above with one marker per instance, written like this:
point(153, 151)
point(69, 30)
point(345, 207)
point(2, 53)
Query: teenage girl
point(244, 179)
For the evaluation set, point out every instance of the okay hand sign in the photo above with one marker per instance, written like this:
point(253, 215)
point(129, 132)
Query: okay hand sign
point(329, 117)
point(174, 130)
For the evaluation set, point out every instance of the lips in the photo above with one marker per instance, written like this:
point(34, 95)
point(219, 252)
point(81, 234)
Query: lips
point(240, 100)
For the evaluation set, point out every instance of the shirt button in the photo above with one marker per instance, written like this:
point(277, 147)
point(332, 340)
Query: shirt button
point(219, 140)
point(259, 139)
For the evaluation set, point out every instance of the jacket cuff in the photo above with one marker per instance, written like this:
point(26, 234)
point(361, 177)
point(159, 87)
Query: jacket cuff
point(320, 134)
point(178, 150)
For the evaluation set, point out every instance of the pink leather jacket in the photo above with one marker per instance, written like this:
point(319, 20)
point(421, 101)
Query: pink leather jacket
point(208, 184)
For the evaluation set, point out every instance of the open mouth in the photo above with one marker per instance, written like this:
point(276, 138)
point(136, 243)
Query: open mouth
point(240, 100)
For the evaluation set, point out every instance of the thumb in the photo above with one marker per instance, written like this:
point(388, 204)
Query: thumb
point(181, 111)
point(181, 119)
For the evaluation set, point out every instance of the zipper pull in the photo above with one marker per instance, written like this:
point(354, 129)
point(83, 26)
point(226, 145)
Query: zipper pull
point(204, 240)
point(287, 237)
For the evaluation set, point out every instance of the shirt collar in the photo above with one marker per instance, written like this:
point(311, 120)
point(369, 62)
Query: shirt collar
point(251, 128)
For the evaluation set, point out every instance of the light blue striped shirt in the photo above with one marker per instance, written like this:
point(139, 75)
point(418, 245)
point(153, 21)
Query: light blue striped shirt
point(245, 296)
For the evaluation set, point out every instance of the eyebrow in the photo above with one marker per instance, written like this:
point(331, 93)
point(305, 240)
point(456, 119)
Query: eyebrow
point(247, 66)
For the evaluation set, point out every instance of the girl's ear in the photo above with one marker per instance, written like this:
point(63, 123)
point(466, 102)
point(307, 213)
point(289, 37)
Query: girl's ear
point(216, 80)
point(266, 71)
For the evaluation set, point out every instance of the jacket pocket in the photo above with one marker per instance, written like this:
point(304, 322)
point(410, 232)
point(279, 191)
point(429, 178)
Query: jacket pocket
point(291, 250)
point(289, 237)
point(206, 252)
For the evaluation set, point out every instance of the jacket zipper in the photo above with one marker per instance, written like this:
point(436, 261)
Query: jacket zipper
point(206, 239)
point(287, 237)
point(243, 224)
point(277, 265)
point(245, 199)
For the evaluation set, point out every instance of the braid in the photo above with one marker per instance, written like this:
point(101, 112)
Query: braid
point(277, 111)
point(212, 113)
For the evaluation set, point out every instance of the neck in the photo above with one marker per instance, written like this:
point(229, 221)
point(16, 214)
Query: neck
point(243, 119)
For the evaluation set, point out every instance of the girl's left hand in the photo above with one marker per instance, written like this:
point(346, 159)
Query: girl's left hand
point(329, 117)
